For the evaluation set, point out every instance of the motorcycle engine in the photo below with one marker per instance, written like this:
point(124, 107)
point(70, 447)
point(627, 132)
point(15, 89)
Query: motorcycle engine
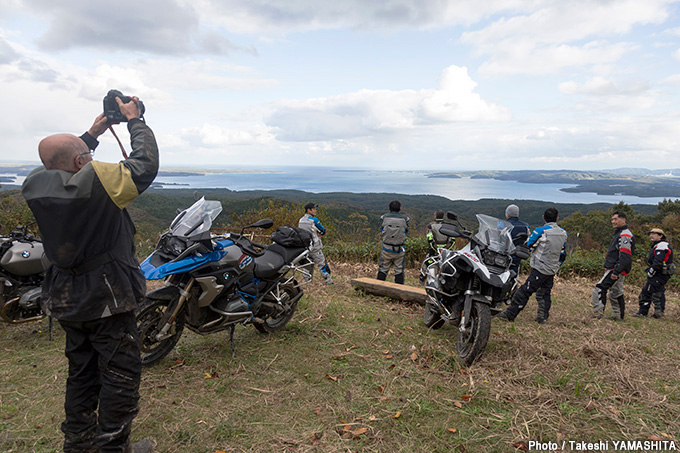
point(30, 300)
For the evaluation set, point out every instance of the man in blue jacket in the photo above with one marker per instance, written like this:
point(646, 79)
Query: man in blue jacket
point(548, 244)
point(94, 284)
point(310, 223)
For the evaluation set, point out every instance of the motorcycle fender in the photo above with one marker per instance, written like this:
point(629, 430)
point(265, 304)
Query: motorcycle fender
point(164, 293)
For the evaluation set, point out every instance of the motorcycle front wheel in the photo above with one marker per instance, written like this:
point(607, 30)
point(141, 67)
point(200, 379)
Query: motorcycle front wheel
point(287, 293)
point(150, 315)
point(472, 342)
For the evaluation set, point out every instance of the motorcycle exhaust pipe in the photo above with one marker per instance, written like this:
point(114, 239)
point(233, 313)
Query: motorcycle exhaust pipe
point(11, 307)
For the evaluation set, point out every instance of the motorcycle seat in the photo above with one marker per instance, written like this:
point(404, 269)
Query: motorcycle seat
point(275, 256)
point(288, 253)
point(268, 265)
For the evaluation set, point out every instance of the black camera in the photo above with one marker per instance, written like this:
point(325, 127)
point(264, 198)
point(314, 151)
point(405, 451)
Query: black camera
point(111, 109)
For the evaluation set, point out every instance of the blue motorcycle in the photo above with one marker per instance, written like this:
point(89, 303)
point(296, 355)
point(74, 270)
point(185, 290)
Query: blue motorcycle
point(213, 282)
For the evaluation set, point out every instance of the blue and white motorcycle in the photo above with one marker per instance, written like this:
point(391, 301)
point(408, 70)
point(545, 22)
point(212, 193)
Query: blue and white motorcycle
point(212, 283)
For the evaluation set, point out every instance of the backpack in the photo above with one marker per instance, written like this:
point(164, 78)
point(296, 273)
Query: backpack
point(292, 237)
point(394, 230)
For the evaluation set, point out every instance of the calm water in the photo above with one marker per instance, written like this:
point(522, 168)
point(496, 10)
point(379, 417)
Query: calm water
point(320, 180)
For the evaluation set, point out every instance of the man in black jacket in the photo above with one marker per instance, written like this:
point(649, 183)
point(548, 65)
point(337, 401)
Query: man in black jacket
point(660, 261)
point(94, 283)
point(617, 264)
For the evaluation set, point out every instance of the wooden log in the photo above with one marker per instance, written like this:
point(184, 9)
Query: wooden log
point(391, 290)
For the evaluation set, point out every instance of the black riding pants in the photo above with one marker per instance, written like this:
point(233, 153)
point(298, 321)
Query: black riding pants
point(533, 283)
point(104, 371)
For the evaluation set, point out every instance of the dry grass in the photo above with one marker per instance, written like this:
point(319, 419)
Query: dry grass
point(359, 373)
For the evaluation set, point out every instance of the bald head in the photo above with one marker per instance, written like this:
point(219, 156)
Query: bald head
point(60, 152)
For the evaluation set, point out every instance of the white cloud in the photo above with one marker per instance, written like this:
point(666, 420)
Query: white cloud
point(369, 112)
point(560, 34)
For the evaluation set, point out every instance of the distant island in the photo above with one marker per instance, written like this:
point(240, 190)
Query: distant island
point(652, 183)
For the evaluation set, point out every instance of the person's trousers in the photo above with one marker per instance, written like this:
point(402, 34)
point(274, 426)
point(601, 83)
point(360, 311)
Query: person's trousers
point(654, 290)
point(396, 259)
point(613, 288)
point(535, 282)
point(104, 372)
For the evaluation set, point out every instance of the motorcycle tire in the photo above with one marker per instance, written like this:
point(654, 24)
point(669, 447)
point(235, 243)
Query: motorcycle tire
point(149, 316)
point(432, 317)
point(274, 323)
point(471, 345)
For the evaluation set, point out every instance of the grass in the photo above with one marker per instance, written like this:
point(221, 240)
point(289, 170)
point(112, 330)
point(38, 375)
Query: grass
point(355, 372)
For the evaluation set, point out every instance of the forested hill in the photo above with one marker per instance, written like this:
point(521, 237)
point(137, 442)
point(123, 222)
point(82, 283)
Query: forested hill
point(162, 204)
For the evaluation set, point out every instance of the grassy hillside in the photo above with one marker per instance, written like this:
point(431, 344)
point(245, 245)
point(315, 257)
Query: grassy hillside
point(353, 372)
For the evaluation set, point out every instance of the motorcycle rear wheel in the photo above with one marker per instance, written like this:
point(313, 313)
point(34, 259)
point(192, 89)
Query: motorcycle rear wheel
point(432, 317)
point(149, 318)
point(471, 344)
point(274, 323)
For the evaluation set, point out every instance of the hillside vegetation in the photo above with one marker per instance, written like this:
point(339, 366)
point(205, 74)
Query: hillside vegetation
point(353, 372)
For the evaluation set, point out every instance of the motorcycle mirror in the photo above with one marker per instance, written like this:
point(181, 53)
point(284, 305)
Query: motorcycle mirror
point(450, 215)
point(264, 224)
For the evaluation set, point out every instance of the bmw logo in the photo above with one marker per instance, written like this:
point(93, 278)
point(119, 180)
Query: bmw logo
point(25, 253)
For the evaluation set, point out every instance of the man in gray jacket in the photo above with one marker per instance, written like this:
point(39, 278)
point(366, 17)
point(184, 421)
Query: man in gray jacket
point(393, 231)
point(548, 245)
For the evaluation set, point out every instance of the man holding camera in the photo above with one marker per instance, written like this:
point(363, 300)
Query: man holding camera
point(94, 283)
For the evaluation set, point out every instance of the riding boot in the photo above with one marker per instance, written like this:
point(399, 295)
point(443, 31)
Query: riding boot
point(658, 305)
point(381, 276)
point(399, 278)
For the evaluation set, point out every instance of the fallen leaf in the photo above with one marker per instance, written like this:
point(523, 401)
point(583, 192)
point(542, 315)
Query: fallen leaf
point(388, 356)
point(414, 356)
point(466, 397)
point(318, 411)
point(521, 445)
point(386, 351)
point(453, 430)
point(372, 418)
point(654, 437)
point(381, 388)
point(457, 404)
point(359, 431)
point(332, 378)
point(397, 415)
point(463, 372)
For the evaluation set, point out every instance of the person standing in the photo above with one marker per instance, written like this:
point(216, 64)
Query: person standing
point(660, 261)
point(94, 284)
point(310, 223)
point(548, 244)
point(519, 233)
point(617, 263)
point(435, 239)
point(393, 230)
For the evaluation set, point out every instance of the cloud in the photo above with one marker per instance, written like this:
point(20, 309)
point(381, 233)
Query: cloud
point(158, 26)
point(7, 52)
point(277, 17)
point(369, 112)
point(559, 34)
point(603, 94)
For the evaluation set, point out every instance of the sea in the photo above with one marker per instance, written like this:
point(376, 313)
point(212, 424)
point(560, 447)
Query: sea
point(325, 179)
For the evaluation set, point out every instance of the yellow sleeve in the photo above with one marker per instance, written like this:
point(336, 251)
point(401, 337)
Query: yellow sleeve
point(117, 181)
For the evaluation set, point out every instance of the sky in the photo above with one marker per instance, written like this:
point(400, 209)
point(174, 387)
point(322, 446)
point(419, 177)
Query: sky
point(395, 84)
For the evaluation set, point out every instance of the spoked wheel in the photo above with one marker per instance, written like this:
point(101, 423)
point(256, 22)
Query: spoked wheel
point(472, 342)
point(287, 293)
point(432, 317)
point(150, 315)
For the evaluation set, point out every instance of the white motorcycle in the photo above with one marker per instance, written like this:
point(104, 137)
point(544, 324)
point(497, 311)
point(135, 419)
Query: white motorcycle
point(465, 287)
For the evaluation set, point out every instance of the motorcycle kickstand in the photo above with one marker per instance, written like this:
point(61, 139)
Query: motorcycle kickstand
point(231, 340)
point(50, 323)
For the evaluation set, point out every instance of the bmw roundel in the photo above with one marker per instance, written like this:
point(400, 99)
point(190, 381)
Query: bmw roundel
point(26, 254)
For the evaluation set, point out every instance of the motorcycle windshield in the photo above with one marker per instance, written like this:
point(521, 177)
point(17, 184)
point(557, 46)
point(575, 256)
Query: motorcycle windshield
point(196, 219)
point(495, 234)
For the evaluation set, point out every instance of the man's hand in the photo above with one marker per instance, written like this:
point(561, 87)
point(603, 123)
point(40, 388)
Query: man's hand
point(131, 109)
point(99, 126)
point(614, 276)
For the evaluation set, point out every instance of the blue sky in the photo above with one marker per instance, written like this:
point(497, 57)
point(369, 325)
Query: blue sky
point(401, 84)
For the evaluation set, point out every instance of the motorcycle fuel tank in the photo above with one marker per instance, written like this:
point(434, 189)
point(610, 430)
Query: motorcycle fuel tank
point(25, 259)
